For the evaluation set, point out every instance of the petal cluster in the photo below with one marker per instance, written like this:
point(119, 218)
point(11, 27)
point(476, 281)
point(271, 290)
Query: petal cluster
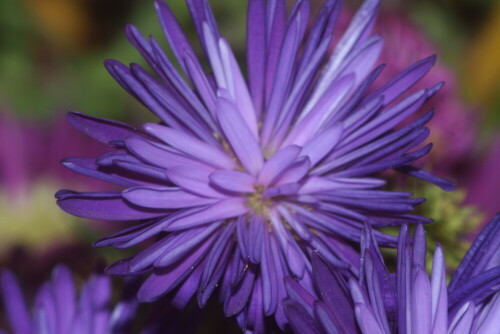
point(58, 310)
point(244, 177)
point(410, 302)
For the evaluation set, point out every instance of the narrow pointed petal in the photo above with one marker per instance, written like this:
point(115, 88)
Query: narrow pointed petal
point(421, 304)
point(224, 209)
point(14, 304)
point(104, 206)
point(256, 51)
point(233, 181)
point(277, 164)
point(300, 320)
point(322, 144)
point(161, 155)
point(191, 146)
point(439, 293)
point(173, 32)
point(239, 135)
point(101, 129)
point(164, 198)
point(483, 249)
point(194, 180)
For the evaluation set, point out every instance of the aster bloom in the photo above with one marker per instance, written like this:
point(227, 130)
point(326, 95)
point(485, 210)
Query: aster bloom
point(410, 302)
point(242, 179)
point(57, 310)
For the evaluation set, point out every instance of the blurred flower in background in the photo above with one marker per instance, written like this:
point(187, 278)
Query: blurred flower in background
point(58, 309)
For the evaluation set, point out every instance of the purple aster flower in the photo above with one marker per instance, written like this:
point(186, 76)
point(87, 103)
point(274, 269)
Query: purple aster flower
point(410, 301)
point(57, 309)
point(244, 178)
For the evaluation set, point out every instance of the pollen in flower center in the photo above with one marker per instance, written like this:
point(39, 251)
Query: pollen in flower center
point(258, 202)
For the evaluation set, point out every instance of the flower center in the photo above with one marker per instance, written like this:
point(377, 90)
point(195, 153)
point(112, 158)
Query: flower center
point(258, 203)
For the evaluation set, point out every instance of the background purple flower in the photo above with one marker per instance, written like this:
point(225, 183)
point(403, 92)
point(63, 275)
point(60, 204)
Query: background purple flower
point(240, 181)
point(410, 302)
point(58, 310)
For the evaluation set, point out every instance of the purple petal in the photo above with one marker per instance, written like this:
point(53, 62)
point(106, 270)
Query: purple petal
point(321, 144)
point(277, 164)
point(294, 173)
point(194, 180)
point(200, 113)
point(187, 290)
point(256, 51)
point(233, 181)
point(164, 198)
point(269, 277)
point(419, 251)
point(296, 260)
point(462, 322)
point(297, 95)
point(191, 146)
point(173, 32)
point(256, 237)
point(224, 209)
point(359, 26)
point(361, 61)
point(161, 155)
point(366, 320)
point(63, 290)
point(300, 320)
point(87, 166)
point(165, 280)
point(14, 305)
point(167, 250)
point(424, 175)
point(275, 27)
point(297, 225)
point(169, 105)
point(214, 57)
point(137, 87)
point(101, 129)
point(316, 184)
point(333, 289)
point(201, 14)
point(282, 79)
point(311, 120)
point(477, 289)
point(216, 264)
point(421, 307)
point(200, 82)
point(386, 120)
point(237, 87)
point(439, 293)
point(104, 206)
point(241, 139)
point(237, 297)
point(403, 80)
point(124, 236)
point(476, 260)
point(296, 292)
point(181, 246)
point(287, 189)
